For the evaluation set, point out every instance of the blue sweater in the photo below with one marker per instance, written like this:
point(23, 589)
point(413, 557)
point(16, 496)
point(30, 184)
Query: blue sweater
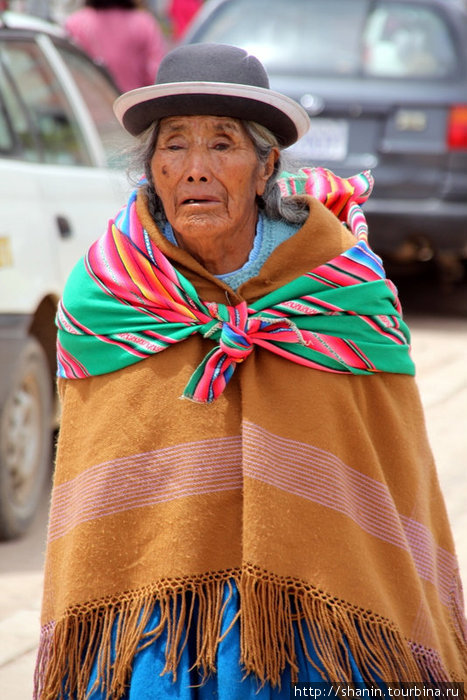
point(269, 234)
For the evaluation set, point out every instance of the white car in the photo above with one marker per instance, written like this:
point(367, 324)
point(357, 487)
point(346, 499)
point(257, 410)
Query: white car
point(61, 178)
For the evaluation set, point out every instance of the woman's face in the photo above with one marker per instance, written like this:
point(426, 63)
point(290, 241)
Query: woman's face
point(207, 175)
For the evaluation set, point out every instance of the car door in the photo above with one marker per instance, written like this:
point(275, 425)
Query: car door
point(61, 158)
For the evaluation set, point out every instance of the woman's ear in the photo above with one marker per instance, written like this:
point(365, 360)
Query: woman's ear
point(267, 170)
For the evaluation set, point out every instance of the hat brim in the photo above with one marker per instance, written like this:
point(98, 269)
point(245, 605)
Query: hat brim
point(286, 119)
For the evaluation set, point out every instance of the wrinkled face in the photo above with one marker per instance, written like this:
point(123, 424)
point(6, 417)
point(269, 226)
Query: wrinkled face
point(207, 175)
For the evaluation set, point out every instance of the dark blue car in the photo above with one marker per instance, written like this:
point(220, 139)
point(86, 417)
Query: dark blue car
point(385, 84)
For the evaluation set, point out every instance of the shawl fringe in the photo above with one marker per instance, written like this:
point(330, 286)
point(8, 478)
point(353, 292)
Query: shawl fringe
point(113, 632)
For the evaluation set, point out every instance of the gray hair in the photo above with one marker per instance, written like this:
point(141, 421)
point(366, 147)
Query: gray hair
point(271, 203)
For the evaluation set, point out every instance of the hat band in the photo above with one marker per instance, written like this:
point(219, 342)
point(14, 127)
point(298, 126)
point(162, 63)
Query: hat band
point(285, 118)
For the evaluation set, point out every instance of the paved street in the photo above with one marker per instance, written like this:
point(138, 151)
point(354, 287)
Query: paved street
point(440, 351)
point(20, 592)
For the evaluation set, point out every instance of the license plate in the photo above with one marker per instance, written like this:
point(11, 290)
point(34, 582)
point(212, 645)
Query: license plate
point(326, 139)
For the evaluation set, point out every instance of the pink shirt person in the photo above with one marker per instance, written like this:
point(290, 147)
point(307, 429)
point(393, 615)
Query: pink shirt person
point(127, 42)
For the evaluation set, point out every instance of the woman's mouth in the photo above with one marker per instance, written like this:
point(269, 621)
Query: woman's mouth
point(199, 200)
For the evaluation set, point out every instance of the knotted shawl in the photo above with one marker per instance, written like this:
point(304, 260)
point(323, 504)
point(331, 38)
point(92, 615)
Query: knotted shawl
point(305, 475)
point(125, 301)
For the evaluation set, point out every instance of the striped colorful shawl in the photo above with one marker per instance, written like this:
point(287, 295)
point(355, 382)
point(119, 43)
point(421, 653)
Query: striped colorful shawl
point(314, 491)
point(125, 301)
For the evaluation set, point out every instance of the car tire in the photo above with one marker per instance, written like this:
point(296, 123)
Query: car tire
point(25, 440)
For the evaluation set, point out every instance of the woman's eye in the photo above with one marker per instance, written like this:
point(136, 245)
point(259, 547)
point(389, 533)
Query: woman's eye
point(174, 147)
point(221, 146)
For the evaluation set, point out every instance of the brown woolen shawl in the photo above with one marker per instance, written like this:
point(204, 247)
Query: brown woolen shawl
point(316, 492)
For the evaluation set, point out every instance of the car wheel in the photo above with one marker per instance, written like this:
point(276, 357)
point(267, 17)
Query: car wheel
point(25, 440)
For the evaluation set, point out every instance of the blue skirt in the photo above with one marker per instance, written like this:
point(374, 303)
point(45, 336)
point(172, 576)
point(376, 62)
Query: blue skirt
point(228, 683)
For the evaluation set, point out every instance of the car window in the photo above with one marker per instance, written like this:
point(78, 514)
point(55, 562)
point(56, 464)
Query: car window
point(407, 40)
point(6, 138)
point(337, 37)
point(298, 35)
point(17, 133)
point(99, 95)
point(49, 117)
point(9, 106)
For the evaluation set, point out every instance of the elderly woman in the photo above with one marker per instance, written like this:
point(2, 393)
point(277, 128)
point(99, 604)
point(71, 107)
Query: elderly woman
point(284, 522)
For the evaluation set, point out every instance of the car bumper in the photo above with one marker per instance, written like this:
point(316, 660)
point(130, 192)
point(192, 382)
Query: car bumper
point(439, 224)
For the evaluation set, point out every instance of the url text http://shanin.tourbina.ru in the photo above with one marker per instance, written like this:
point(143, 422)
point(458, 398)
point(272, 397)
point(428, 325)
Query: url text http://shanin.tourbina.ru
point(321, 691)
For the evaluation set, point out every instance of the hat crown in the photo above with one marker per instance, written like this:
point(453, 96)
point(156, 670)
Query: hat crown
point(213, 63)
point(214, 80)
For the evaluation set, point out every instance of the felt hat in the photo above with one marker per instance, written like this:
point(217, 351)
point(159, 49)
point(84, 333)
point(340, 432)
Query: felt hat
point(212, 79)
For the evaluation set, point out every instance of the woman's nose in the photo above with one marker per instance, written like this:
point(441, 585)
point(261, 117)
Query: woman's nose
point(193, 178)
point(197, 168)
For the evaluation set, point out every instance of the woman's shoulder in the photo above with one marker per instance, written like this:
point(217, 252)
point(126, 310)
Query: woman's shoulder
point(84, 14)
point(144, 19)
